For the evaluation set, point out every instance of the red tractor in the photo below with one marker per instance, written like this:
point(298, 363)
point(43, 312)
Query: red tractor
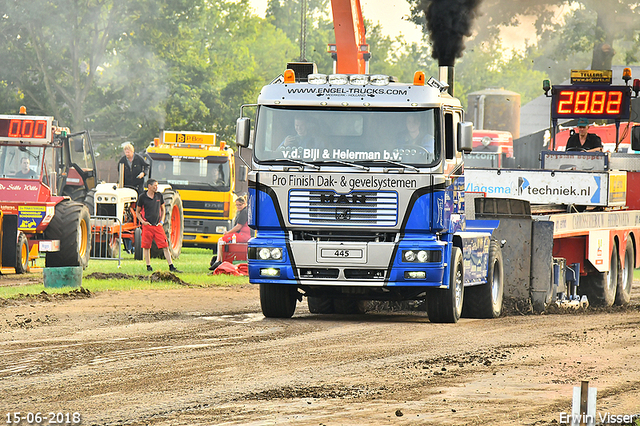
point(45, 175)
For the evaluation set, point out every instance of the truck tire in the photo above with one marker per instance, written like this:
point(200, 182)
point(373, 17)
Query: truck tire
point(22, 254)
point(277, 300)
point(600, 288)
point(625, 278)
point(445, 305)
point(173, 225)
point(347, 306)
point(320, 305)
point(71, 225)
point(137, 243)
point(485, 301)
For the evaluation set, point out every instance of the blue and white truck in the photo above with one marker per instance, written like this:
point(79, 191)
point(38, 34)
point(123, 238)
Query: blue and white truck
point(351, 203)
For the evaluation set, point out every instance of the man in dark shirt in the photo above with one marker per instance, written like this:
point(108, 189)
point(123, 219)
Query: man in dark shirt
point(583, 140)
point(135, 168)
point(150, 212)
point(25, 169)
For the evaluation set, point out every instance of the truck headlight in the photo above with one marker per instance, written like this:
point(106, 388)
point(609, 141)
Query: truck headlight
point(276, 253)
point(266, 253)
point(422, 256)
point(409, 255)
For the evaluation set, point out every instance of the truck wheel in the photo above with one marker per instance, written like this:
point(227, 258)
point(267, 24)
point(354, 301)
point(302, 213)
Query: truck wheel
point(173, 225)
point(625, 278)
point(348, 306)
point(22, 254)
point(445, 305)
point(320, 305)
point(277, 300)
point(137, 244)
point(485, 301)
point(600, 288)
point(71, 225)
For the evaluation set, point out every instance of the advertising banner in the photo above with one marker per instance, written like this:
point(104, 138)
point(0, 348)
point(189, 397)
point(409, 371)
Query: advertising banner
point(541, 186)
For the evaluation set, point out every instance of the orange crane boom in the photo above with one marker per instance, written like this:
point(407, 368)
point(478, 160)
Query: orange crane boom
point(350, 52)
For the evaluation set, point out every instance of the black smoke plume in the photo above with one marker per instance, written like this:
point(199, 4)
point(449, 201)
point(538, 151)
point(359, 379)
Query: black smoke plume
point(448, 22)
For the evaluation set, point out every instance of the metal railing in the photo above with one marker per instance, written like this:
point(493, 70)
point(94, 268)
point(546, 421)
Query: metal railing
point(106, 238)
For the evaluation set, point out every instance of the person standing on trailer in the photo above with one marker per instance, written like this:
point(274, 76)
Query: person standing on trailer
point(150, 212)
point(583, 140)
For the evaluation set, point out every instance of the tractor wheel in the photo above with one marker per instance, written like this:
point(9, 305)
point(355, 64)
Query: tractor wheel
point(173, 225)
point(485, 301)
point(445, 305)
point(90, 202)
point(22, 254)
point(71, 225)
point(623, 292)
point(113, 246)
point(320, 304)
point(137, 244)
point(600, 288)
point(278, 300)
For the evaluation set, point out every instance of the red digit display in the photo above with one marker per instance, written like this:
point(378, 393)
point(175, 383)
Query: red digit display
point(595, 101)
point(614, 101)
point(24, 129)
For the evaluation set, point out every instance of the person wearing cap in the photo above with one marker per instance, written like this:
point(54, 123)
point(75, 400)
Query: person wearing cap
point(583, 140)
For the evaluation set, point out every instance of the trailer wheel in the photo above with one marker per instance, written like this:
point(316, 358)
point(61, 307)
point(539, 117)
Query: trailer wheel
point(137, 243)
point(600, 288)
point(320, 305)
point(625, 278)
point(278, 300)
point(71, 225)
point(22, 254)
point(485, 301)
point(173, 225)
point(445, 305)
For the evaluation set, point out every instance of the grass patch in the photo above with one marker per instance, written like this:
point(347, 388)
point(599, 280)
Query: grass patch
point(193, 262)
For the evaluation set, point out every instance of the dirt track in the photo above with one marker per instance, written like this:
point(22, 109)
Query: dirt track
point(208, 356)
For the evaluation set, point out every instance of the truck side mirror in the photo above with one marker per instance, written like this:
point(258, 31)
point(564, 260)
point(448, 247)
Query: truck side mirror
point(243, 130)
point(635, 138)
point(243, 173)
point(465, 136)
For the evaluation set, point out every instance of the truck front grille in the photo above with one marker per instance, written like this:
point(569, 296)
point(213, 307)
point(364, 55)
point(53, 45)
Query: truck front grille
point(356, 208)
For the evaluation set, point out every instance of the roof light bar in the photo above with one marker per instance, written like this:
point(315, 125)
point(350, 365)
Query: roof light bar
point(338, 79)
point(317, 79)
point(379, 80)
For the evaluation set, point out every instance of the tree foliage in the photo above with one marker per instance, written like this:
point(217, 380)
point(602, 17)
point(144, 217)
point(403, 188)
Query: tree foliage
point(599, 27)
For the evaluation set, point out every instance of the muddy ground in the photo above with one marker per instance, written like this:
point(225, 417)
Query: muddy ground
point(205, 356)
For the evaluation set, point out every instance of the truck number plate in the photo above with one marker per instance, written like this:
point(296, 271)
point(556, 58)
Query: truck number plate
point(341, 253)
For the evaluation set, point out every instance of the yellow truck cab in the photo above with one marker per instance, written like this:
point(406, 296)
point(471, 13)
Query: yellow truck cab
point(202, 169)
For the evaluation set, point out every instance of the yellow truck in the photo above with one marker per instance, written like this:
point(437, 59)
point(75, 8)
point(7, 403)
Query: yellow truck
point(202, 169)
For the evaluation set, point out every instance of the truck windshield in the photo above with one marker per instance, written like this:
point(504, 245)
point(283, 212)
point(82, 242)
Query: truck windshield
point(20, 162)
point(211, 172)
point(355, 135)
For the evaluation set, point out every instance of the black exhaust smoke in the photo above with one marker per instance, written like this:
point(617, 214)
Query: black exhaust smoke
point(448, 22)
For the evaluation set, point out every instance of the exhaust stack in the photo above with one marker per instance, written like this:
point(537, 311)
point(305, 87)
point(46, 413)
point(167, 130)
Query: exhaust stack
point(446, 75)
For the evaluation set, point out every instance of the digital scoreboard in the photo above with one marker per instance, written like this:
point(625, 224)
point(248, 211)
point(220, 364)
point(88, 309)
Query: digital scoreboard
point(24, 128)
point(590, 101)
